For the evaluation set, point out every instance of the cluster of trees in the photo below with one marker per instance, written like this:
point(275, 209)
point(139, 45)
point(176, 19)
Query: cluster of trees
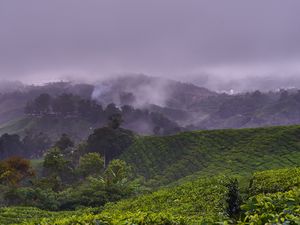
point(33, 145)
point(63, 105)
point(110, 141)
point(70, 176)
point(69, 105)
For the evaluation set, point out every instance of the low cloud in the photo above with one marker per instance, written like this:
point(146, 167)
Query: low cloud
point(197, 41)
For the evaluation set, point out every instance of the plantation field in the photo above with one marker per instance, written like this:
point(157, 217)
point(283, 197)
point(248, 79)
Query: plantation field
point(274, 198)
point(191, 172)
point(241, 151)
point(199, 201)
point(202, 201)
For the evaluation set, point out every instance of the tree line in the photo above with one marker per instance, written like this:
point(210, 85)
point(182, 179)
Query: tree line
point(69, 105)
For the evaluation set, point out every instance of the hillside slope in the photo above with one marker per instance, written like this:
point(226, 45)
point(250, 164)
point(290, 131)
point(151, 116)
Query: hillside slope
point(242, 151)
point(76, 128)
point(186, 105)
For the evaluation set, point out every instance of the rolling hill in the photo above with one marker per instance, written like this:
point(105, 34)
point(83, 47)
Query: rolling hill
point(235, 151)
point(185, 106)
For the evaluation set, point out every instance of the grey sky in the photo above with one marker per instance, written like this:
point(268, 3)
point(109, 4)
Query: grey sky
point(41, 40)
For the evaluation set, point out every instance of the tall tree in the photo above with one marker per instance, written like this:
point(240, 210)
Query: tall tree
point(42, 103)
point(109, 142)
point(91, 164)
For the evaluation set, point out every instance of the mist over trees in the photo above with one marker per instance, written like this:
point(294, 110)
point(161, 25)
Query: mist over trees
point(78, 109)
point(73, 106)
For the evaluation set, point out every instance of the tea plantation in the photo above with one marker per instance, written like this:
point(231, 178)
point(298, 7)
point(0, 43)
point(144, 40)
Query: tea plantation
point(245, 177)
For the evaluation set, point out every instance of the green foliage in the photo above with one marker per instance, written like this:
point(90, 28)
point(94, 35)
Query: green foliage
point(273, 181)
point(165, 159)
point(89, 193)
point(109, 142)
point(35, 197)
point(91, 164)
point(116, 172)
point(31, 215)
point(54, 163)
point(200, 200)
point(57, 168)
point(272, 196)
point(121, 219)
point(34, 216)
point(277, 208)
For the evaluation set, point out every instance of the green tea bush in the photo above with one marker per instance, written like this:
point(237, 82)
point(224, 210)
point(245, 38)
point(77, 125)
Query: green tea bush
point(166, 159)
point(273, 181)
point(199, 200)
point(276, 208)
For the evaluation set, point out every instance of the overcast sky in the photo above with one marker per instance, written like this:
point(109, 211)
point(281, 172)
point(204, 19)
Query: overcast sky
point(42, 40)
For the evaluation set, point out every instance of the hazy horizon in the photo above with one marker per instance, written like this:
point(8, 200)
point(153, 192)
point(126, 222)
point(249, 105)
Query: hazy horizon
point(209, 43)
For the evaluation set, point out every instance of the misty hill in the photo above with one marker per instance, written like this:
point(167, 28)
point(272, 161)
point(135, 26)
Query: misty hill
point(194, 107)
point(236, 84)
point(71, 114)
point(242, 151)
point(146, 102)
point(255, 109)
point(14, 96)
point(143, 107)
point(141, 91)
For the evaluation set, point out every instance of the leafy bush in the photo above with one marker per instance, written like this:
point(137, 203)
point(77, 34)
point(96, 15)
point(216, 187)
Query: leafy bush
point(272, 181)
point(35, 197)
point(276, 208)
point(202, 199)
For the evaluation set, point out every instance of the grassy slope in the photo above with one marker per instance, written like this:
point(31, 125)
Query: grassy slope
point(17, 126)
point(240, 151)
point(53, 127)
